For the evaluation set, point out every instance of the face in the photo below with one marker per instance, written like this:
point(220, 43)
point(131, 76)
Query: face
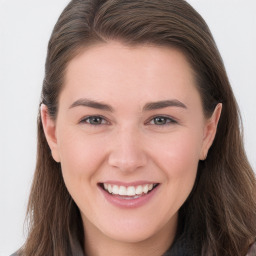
point(129, 134)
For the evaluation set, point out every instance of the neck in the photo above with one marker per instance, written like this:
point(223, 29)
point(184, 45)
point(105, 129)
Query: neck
point(97, 244)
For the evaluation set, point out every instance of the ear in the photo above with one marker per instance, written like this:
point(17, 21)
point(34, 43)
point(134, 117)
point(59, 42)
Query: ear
point(49, 126)
point(210, 131)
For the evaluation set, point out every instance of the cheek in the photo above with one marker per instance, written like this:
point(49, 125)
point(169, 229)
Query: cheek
point(178, 158)
point(179, 153)
point(80, 156)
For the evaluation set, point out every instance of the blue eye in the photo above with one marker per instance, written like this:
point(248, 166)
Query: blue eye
point(162, 120)
point(94, 120)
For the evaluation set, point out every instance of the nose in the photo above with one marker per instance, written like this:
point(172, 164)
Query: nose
point(127, 152)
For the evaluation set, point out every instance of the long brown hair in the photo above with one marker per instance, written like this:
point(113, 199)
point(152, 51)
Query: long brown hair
point(220, 213)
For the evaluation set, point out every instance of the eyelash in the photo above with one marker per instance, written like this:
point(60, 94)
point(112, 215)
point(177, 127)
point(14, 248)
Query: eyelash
point(167, 120)
point(88, 118)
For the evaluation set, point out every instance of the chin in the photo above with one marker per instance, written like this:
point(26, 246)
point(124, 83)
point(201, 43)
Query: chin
point(132, 230)
point(131, 236)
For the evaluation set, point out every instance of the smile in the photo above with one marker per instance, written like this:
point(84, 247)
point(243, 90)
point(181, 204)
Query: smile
point(130, 191)
point(129, 196)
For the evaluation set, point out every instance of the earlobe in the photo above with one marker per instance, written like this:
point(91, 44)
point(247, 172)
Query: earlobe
point(49, 126)
point(210, 131)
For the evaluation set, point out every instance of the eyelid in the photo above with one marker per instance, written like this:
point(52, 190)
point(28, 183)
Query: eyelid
point(84, 119)
point(106, 121)
point(171, 120)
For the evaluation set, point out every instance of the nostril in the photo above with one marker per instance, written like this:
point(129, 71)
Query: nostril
point(127, 163)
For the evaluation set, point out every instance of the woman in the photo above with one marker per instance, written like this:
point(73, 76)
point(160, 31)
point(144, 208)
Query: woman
point(139, 147)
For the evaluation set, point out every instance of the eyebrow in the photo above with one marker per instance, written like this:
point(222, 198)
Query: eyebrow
point(148, 106)
point(164, 104)
point(92, 104)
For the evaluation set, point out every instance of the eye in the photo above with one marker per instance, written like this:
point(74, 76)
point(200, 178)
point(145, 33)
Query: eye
point(94, 120)
point(162, 120)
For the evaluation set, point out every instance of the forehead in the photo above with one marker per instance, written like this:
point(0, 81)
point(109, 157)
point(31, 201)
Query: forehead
point(113, 71)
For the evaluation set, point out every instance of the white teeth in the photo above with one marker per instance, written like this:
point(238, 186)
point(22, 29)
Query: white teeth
point(115, 189)
point(109, 188)
point(122, 191)
point(139, 190)
point(128, 191)
point(131, 191)
point(145, 189)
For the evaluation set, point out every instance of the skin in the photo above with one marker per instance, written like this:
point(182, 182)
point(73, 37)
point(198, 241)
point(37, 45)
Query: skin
point(127, 144)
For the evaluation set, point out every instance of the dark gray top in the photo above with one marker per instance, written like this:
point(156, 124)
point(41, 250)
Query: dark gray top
point(182, 248)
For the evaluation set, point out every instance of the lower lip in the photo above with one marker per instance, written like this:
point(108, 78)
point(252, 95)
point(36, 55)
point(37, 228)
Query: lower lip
point(129, 203)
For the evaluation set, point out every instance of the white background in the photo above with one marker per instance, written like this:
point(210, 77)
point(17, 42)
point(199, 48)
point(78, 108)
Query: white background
point(25, 28)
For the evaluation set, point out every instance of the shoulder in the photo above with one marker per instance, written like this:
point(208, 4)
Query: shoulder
point(15, 254)
point(252, 250)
